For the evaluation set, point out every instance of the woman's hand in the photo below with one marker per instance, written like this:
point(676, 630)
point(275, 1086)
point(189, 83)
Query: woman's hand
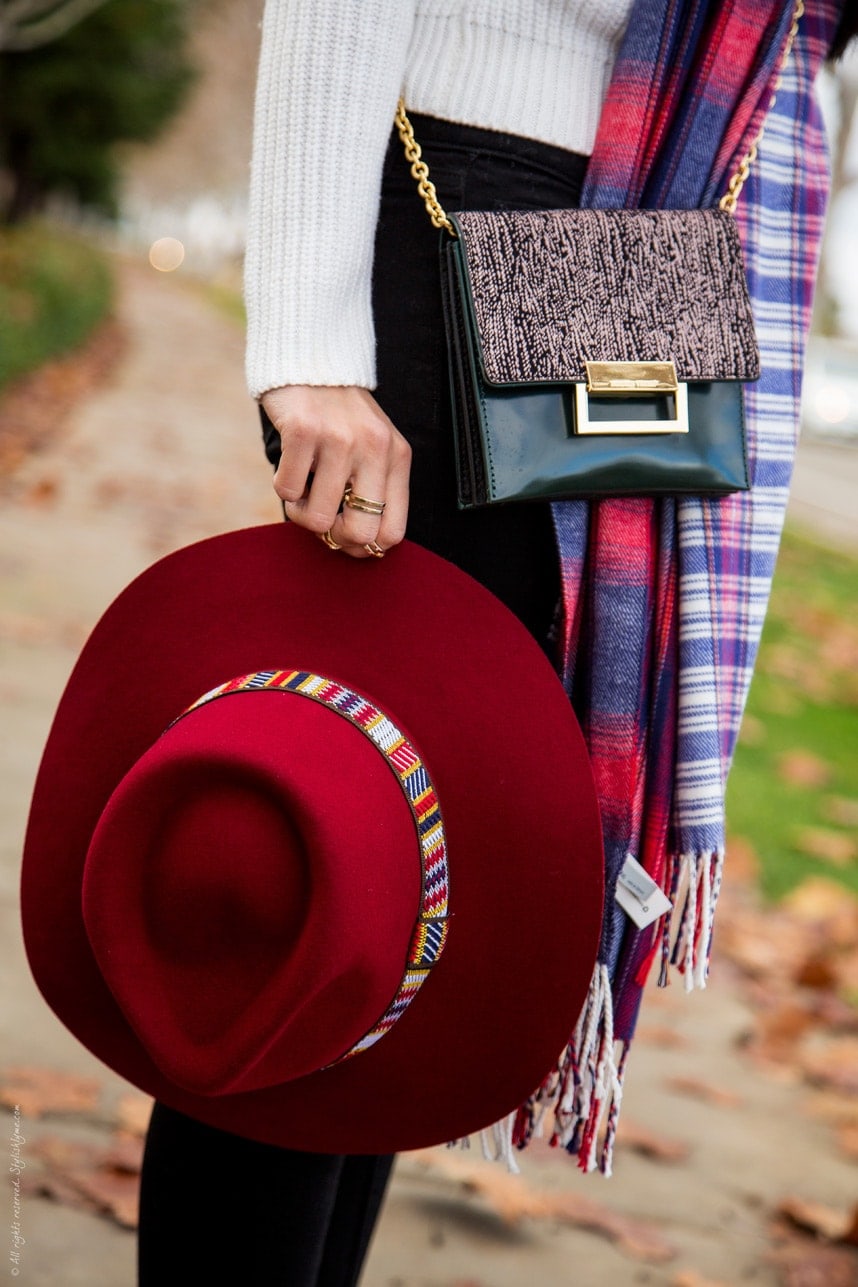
point(343, 438)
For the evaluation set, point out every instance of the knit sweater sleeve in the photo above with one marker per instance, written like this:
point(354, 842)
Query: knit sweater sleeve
point(330, 72)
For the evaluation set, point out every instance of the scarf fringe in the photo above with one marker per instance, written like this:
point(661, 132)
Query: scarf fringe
point(586, 1089)
point(694, 884)
point(584, 1092)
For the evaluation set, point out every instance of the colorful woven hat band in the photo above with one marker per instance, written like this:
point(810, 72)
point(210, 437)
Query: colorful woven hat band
point(430, 930)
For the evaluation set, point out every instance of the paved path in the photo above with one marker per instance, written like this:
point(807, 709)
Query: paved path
point(166, 453)
point(824, 494)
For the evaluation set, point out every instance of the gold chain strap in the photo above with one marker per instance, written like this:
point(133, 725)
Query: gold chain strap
point(420, 170)
point(729, 201)
point(731, 197)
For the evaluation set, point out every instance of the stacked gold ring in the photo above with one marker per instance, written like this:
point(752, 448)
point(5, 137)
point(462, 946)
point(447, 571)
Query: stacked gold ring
point(329, 540)
point(362, 503)
point(373, 548)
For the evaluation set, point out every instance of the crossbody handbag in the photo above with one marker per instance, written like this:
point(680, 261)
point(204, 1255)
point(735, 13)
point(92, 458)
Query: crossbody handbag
point(595, 352)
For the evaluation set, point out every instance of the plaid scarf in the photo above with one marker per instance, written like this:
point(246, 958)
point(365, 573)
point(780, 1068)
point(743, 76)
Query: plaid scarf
point(664, 599)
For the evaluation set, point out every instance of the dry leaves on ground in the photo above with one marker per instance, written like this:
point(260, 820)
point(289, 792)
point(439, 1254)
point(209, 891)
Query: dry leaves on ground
point(840, 809)
point(817, 1218)
point(841, 1113)
point(691, 1278)
point(802, 1263)
point(826, 844)
point(803, 769)
point(103, 1179)
point(132, 1114)
point(40, 1091)
point(815, 1244)
point(34, 407)
point(800, 964)
point(635, 1138)
point(697, 1088)
point(100, 1178)
point(833, 1063)
point(659, 1034)
point(513, 1199)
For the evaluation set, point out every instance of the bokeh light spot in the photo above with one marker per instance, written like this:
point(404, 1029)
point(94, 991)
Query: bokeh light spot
point(166, 254)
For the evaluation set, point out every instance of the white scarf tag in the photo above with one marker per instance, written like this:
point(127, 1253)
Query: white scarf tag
point(639, 895)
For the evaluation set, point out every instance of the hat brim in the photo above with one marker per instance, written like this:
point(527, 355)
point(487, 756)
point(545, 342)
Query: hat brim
point(468, 683)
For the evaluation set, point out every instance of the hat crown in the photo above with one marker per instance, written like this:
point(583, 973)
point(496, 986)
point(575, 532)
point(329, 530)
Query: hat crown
point(260, 868)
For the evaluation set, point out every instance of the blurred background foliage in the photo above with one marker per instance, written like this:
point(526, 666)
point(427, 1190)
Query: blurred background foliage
point(54, 290)
point(116, 76)
point(79, 79)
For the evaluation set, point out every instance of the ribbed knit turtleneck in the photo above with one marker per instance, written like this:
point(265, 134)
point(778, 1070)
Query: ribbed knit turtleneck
point(330, 73)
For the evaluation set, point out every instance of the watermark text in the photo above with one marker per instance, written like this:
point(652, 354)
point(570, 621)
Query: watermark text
point(16, 1170)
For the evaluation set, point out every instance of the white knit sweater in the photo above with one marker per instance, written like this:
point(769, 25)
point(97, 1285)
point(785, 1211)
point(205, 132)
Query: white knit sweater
point(330, 74)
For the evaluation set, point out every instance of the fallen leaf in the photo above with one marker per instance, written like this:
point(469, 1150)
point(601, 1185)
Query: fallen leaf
point(824, 903)
point(839, 644)
point(804, 769)
point(638, 1139)
point(766, 942)
point(752, 731)
point(826, 844)
point(817, 971)
point(847, 1140)
point(744, 859)
point(696, 1088)
point(840, 809)
point(104, 1179)
point(781, 699)
point(830, 1106)
point(778, 1031)
point(125, 1153)
point(659, 1034)
point(56, 1189)
point(37, 1091)
point(133, 1113)
point(815, 1217)
point(633, 1237)
point(691, 1278)
point(832, 1063)
point(114, 1193)
point(784, 660)
point(42, 492)
point(803, 1263)
point(850, 1237)
point(513, 1199)
point(838, 1013)
point(847, 975)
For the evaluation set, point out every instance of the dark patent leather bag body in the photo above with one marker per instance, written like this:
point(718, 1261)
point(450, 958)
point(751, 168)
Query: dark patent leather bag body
point(597, 353)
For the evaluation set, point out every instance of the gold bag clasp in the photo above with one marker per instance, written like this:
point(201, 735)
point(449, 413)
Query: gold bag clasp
point(629, 380)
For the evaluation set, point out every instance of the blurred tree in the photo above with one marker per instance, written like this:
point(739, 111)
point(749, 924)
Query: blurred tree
point(27, 24)
point(116, 75)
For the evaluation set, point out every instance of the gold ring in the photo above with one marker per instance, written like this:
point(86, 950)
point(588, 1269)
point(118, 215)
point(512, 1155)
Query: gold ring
point(362, 503)
point(329, 540)
point(373, 548)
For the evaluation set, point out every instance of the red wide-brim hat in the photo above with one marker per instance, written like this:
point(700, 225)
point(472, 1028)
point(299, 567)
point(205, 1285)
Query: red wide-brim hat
point(314, 851)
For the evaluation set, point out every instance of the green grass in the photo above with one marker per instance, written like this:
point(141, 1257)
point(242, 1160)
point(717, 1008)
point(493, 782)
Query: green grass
point(54, 290)
point(803, 703)
point(227, 300)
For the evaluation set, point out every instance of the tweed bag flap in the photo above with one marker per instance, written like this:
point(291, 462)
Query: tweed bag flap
point(553, 288)
point(655, 301)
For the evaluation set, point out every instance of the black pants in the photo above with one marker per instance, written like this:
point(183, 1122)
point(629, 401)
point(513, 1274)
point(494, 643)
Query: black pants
point(216, 1208)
